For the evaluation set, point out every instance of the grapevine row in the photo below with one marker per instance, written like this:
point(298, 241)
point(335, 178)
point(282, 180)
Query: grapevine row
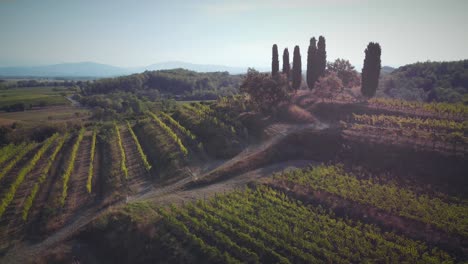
point(140, 149)
point(171, 133)
point(182, 129)
point(91, 161)
point(393, 199)
point(71, 166)
point(447, 109)
point(123, 157)
point(453, 138)
point(23, 149)
point(9, 151)
point(265, 226)
point(10, 194)
point(44, 173)
point(407, 122)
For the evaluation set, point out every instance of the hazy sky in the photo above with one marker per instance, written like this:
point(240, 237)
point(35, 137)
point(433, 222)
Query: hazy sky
point(234, 33)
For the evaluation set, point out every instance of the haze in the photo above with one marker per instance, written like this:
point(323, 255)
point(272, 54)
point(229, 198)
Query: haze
point(232, 33)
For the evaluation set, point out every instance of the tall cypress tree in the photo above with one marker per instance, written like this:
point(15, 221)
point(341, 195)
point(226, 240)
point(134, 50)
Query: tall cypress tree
point(321, 56)
point(274, 61)
point(297, 69)
point(286, 65)
point(371, 69)
point(311, 64)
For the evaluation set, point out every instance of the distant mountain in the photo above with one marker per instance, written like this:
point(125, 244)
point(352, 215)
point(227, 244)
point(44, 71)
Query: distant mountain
point(89, 69)
point(92, 69)
point(386, 70)
point(193, 67)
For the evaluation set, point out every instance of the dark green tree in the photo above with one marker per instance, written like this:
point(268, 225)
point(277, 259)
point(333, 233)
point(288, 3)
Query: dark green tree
point(297, 69)
point(371, 70)
point(312, 69)
point(321, 56)
point(286, 65)
point(274, 61)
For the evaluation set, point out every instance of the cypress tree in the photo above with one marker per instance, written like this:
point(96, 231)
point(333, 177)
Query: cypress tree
point(312, 75)
point(297, 69)
point(274, 61)
point(371, 69)
point(321, 56)
point(286, 66)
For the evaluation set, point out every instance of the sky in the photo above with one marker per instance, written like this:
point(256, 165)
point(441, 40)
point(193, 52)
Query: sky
point(132, 33)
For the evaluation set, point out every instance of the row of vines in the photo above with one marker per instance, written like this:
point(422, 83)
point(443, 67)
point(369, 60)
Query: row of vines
point(265, 226)
point(9, 195)
point(450, 217)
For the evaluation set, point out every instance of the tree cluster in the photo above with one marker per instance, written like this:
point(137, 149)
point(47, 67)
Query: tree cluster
point(265, 91)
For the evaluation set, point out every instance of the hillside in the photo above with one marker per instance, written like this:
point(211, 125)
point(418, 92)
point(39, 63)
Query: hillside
point(427, 81)
point(177, 83)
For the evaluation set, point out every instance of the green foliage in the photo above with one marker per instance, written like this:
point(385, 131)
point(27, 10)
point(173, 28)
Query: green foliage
point(10, 151)
point(182, 129)
point(445, 110)
point(266, 91)
point(10, 194)
point(297, 69)
point(321, 56)
point(274, 61)
point(389, 197)
point(371, 70)
point(312, 64)
point(346, 72)
point(123, 157)
point(91, 161)
point(140, 149)
point(19, 153)
point(265, 226)
point(42, 177)
point(71, 166)
point(171, 133)
point(188, 84)
point(428, 81)
point(286, 66)
point(216, 127)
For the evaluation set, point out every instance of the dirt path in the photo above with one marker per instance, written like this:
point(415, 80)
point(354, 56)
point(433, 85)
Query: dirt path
point(176, 192)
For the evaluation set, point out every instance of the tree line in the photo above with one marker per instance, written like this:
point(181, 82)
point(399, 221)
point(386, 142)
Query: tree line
point(317, 66)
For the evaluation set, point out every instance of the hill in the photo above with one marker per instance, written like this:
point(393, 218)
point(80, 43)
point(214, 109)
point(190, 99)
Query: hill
point(92, 69)
point(427, 81)
point(174, 83)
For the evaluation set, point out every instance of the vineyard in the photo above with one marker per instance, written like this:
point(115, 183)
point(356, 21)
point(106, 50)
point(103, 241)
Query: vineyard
point(444, 135)
point(314, 214)
point(457, 111)
point(450, 217)
point(265, 226)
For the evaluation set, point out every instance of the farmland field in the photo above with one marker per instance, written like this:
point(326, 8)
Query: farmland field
point(35, 96)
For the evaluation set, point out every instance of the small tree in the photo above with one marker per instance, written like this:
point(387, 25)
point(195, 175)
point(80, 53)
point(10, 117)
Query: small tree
point(346, 72)
point(328, 86)
point(286, 65)
point(274, 61)
point(265, 91)
point(297, 69)
point(321, 56)
point(312, 67)
point(371, 70)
